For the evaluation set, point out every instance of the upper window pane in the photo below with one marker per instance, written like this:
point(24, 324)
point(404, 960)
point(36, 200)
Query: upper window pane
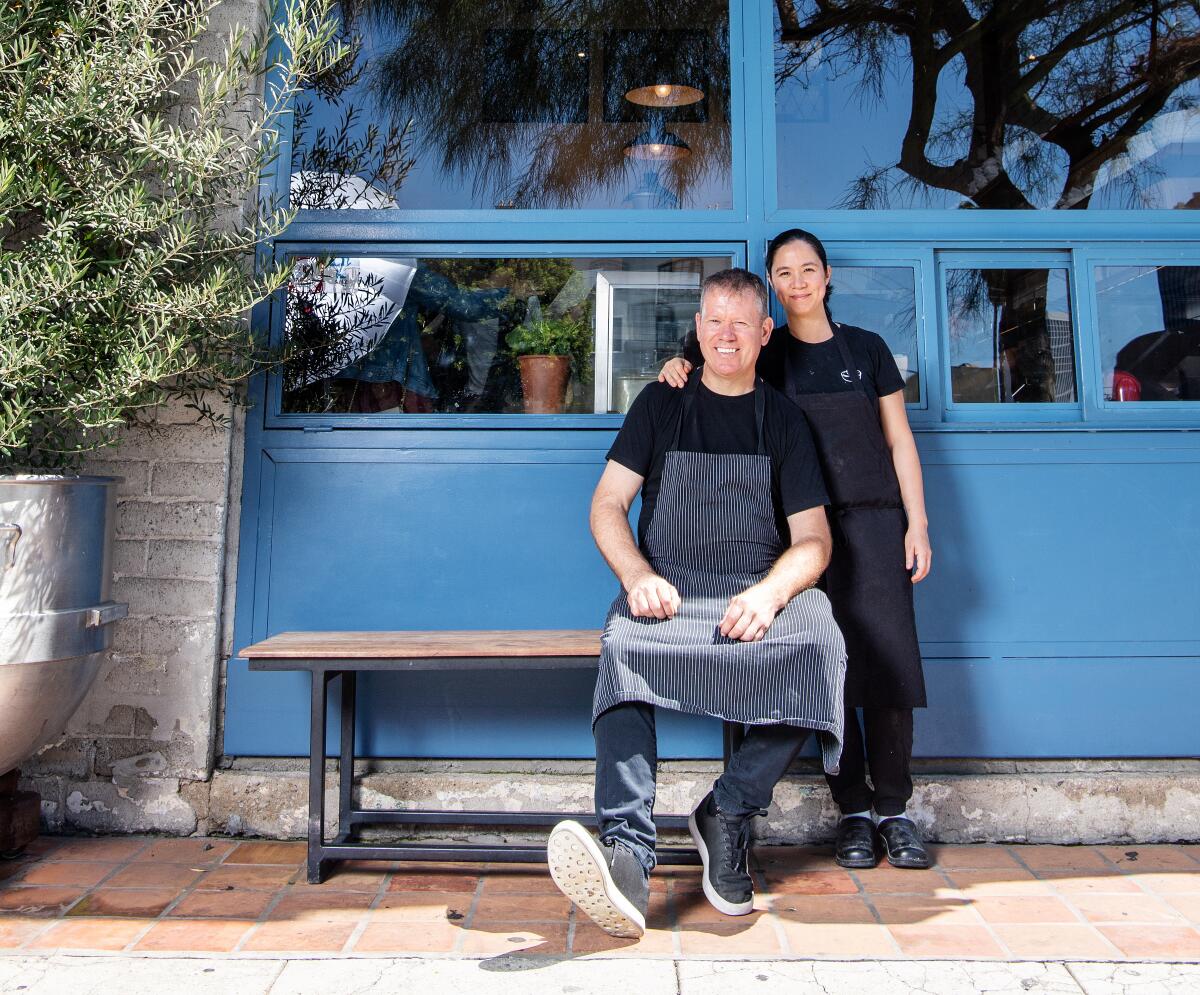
point(1005, 105)
point(1010, 336)
point(1149, 320)
point(884, 300)
point(541, 104)
point(401, 335)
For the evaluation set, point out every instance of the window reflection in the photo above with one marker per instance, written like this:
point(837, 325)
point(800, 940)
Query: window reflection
point(946, 104)
point(540, 104)
point(1149, 321)
point(535, 335)
point(884, 300)
point(1010, 336)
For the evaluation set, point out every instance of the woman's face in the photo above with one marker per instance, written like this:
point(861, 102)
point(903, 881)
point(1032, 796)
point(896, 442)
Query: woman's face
point(799, 279)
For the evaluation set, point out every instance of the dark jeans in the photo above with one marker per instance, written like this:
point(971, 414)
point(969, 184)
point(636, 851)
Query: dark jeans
point(627, 756)
point(887, 753)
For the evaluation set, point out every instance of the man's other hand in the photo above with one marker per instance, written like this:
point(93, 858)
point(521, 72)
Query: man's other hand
point(650, 596)
point(750, 614)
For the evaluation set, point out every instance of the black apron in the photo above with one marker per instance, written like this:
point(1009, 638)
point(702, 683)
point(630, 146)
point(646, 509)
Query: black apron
point(712, 535)
point(871, 591)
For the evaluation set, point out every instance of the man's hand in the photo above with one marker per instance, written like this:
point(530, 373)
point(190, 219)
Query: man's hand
point(650, 596)
point(675, 372)
point(751, 613)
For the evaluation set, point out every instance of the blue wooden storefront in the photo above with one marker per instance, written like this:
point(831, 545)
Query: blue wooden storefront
point(1060, 619)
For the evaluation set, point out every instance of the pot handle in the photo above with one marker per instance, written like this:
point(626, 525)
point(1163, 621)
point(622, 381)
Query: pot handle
point(10, 544)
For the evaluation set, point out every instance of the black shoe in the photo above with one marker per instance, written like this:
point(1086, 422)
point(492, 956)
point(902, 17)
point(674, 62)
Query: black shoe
point(724, 843)
point(900, 842)
point(606, 881)
point(855, 846)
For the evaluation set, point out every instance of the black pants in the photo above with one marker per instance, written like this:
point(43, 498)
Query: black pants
point(627, 759)
point(887, 753)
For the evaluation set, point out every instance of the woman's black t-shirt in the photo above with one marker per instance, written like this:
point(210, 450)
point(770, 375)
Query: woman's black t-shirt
point(721, 425)
point(819, 365)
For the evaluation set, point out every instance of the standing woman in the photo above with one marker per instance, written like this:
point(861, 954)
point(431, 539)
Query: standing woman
point(847, 383)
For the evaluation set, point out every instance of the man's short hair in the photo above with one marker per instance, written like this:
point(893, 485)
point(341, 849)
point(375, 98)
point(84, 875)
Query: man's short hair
point(737, 281)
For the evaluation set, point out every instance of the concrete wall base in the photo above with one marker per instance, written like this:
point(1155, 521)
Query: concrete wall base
point(955, 802)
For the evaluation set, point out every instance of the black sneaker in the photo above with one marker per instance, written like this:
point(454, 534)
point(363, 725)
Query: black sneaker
point(607, 882)
point(724, 843)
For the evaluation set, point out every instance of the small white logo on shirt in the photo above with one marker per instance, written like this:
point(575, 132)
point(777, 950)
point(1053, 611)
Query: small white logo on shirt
point(846, 375)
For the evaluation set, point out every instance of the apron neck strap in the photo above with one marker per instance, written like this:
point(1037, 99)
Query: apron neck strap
point(689, 395)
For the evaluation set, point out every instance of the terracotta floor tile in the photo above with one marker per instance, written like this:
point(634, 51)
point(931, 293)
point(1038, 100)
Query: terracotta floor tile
point(110, 849)
point(821, 908)
point(16, 930)
point(1151, 858)
point(1077, 882)
point(977, 856)
point(1159, 942)
point(141, 903)
point(423, 906)
point(917, 910)
point(793, 859)
point(521, 908)
point(407, 937)
point(1166, 883)
point(409, 878)
point(1023, 909)
point(888, 880)
point(1002, 881)
point(308, 936)
point(90, 934)
point(499, 938)
point(198, 852)
point(1125, 908)
point(223, 904)
point(38, 900)
point(268, 853)
point(840, 940)
point(736, 937)
point(152, 875)
point(1061, 858)
point(1187, 906)
point(591, 939)
point(42, 845)
point(326, 906)
point(836, 882)
point(692, 907)
point(1052, 941)
point(519, 883)
point(77, 872)
point(345, 880)
point(248, 877)
point(207, 935)
point(940, 941)
point(11, 868)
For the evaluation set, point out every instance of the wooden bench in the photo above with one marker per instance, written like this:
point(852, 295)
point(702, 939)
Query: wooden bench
point(341, 656)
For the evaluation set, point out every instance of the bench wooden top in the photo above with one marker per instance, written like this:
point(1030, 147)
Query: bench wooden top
point(412, 645)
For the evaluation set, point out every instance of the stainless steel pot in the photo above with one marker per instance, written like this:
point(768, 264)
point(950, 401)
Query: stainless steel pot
point(55, 611)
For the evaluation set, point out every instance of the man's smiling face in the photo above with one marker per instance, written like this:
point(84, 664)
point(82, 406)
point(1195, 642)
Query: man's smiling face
point(732, 330)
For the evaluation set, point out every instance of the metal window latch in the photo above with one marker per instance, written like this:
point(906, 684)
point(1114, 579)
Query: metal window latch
point(107, 612)
point(10, 544)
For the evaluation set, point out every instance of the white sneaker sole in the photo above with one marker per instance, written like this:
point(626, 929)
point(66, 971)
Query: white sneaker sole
point(717, 902)
point(578, 868)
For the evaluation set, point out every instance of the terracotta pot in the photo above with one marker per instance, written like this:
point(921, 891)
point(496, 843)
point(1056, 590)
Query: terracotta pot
point(544, 383)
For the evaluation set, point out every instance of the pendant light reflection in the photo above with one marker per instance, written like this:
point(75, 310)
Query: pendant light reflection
point(665, 95)
point(658, 145)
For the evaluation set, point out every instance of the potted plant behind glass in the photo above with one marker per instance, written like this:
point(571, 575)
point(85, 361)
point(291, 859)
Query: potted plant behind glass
point(127, 162)
point(548, 351)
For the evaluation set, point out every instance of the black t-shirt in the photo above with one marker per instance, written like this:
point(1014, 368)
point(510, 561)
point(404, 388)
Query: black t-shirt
point(721, 425)
point(820, 365)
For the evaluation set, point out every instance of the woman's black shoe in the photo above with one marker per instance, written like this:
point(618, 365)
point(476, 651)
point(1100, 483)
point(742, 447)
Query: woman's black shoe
point(901, 844)
point(855, 846)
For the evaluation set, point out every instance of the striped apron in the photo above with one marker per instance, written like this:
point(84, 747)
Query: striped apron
point(712, 535)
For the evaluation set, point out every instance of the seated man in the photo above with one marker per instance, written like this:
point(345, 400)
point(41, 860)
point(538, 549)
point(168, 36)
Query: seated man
point(717, 616)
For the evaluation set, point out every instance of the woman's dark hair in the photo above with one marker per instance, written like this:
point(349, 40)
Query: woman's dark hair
point(814, 243)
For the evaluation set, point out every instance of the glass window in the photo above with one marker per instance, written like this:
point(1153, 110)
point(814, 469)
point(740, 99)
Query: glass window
point(372, 334)
point(1149, 321)
point(1010, 336)
point(976, 104)
point(884, 300)
point(541, 104)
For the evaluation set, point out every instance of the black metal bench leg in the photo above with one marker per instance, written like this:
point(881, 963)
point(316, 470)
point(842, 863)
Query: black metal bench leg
point(349, 684)
point(316, 775)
